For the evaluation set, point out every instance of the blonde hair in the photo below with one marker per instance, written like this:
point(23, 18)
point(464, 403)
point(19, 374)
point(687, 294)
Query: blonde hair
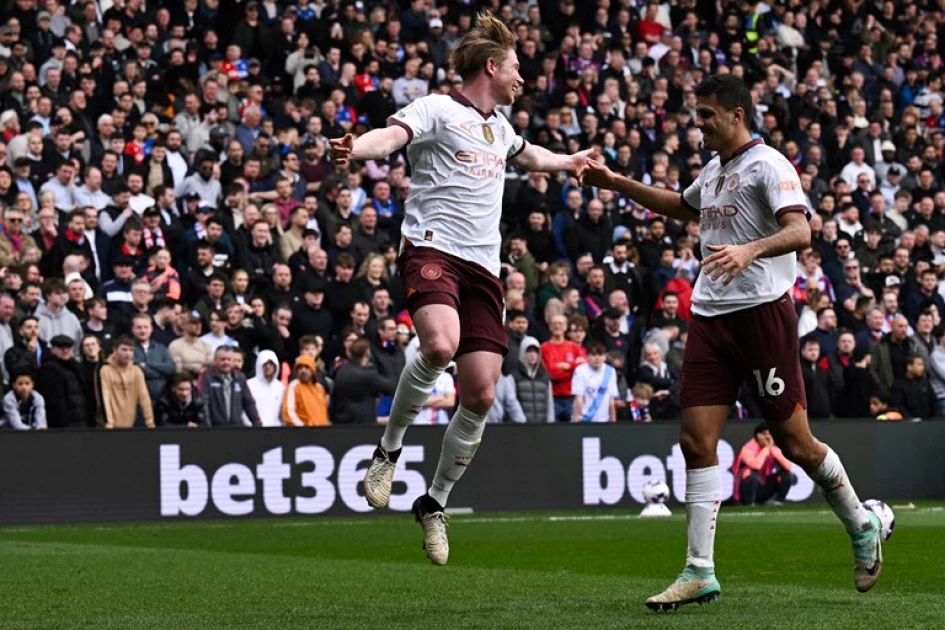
point(490, 38)
point(363, 271)
point(642, 390)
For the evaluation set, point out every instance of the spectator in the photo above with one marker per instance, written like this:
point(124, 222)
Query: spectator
point(29, 351)
point(309, 315)
point(23, 408)
point(663, 379)
point(608, 332)
point(852, 288)
point(923, 330)
point(388, 358)
point(181, 406)
point(925, 294)
point(873, 332)
point(594, 298)
point(226, 396)
point(516, 327)
point(117, 290)
point(557, 281)
point(506, 407)
point(826, 332)
point(54, 318)
point(816, 383)
point(890, 356)
point(152, 357)
point(937, 373)
point(560, 358)
point(521, 260)
point(166, 321)
point(594, 386)
point(762, 473)
point(217, 336)
point(913, 392)
point(640, 397)
point(16, 246)
point(91, 359)
point(123, 390)
point(305, 403)
point(267, 390)
point(880, 409)
point(7, 306)
point(357, 387)
point(621, 273)
point(62, 384)
point(191, 354)
point(591, 233)
point(439, 406)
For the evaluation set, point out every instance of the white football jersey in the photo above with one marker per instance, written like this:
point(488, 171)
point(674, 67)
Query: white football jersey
point(588, 383)
point(739, 201)
point(458, 157)
point(443, 386)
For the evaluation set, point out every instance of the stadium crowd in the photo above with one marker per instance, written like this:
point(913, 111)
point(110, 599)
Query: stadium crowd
point(178, 250)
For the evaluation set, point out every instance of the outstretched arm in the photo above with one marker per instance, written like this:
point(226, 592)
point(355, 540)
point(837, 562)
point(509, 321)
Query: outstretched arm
point(374, 145)
point(732, 259)
point(540, 159)
point(665, 202)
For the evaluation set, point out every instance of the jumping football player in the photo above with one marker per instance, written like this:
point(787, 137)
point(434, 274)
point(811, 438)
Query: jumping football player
point(458, 147)
point(753, 217)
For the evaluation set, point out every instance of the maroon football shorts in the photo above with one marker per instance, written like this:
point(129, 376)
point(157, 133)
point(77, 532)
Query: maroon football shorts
point(758, 346)
point(435, 277)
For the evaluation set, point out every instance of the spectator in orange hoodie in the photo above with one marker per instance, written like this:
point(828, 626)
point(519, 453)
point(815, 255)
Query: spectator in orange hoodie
point(306, 402)
point(561, 357)
point(761, 471)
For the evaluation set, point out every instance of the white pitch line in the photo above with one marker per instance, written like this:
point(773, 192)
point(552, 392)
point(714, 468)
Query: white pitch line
point(482, 519)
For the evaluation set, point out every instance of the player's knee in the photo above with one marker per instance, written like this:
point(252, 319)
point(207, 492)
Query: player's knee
point(478, 398)
point(697, 449)
point(440, 350)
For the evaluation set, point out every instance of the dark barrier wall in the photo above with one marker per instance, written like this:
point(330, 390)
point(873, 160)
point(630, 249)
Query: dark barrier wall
point(74, 477)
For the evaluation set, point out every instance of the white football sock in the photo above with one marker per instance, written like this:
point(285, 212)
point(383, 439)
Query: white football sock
point(462, 438)
point(703, 501)
point(413, 389)
point(834, 484)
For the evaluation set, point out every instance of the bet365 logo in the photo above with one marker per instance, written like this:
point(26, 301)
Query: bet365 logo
point(606, 479)
point(240, 490)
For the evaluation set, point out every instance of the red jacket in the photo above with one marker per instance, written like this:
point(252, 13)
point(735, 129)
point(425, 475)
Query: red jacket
point(566, 352)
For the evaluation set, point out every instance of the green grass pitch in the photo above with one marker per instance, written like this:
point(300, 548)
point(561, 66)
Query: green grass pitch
point(779, 568)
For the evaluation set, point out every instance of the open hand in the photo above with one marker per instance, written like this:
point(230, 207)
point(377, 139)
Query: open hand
point(341, 149)
point(727, 259)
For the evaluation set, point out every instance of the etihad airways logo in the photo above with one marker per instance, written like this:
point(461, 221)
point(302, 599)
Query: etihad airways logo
point(479, 158)
point(481, 164)
point(716, 217)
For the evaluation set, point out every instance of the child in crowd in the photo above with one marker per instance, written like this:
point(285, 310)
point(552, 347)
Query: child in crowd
point(594, 386)
point(23, 408)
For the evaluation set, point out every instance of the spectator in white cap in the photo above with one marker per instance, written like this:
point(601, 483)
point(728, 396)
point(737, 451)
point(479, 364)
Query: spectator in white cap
point(882, 166)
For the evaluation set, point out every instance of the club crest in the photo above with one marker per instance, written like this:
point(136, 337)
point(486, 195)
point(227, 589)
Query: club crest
point(732, 183)
point(487, 133)
point(431, 271)
point(719, 183)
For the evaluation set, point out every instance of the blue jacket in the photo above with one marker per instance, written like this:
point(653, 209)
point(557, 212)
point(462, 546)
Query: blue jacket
point(158, 367)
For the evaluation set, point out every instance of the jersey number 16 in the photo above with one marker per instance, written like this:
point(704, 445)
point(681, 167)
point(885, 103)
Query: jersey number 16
point(772, 386)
